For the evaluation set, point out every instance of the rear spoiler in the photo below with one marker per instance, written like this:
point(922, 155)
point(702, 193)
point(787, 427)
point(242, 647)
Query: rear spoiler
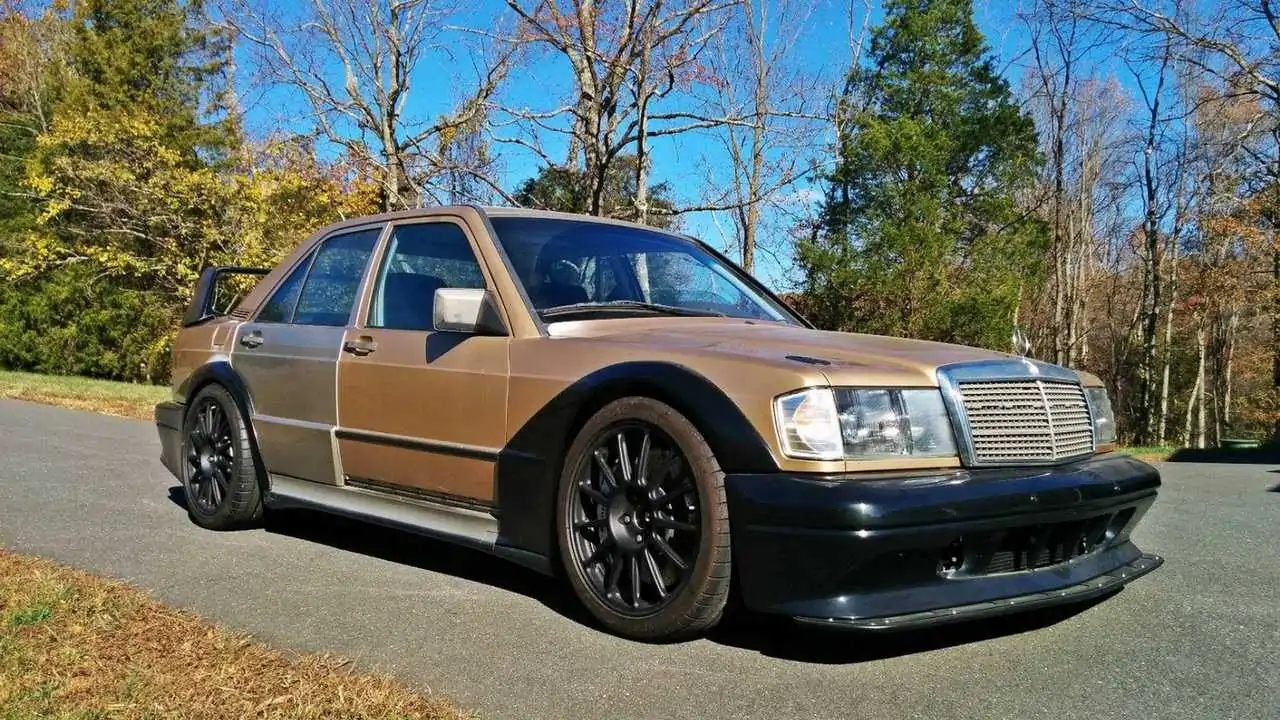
point(219, 290)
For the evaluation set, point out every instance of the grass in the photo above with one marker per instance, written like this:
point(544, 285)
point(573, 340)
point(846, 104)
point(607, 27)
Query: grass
point(1151, 453)
point(103, 396)
point(73, 645)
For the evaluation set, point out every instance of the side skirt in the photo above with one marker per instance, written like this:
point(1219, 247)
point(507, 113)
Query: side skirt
point(463, 526)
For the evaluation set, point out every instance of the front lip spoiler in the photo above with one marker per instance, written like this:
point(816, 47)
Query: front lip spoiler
point(1087, 590)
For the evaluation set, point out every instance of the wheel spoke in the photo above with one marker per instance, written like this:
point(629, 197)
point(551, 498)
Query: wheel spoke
point(601, 552)
point(602, 461)
point(624, 458)
point(596, 496)
point(671, 524)
point(665, 498)
point(615, 574)
point(635, 581)
point(654, 573)
point(670, 552)
point(216, 486)
point(642, 463)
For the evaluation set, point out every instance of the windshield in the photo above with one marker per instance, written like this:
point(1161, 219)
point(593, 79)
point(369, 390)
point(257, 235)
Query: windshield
point(576, 268)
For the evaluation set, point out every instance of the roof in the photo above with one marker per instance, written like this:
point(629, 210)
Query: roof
point(486, 210)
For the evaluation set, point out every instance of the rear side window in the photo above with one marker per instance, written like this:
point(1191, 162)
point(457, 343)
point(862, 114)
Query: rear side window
point(279, 309)
point(421, 259)
point(330, 291)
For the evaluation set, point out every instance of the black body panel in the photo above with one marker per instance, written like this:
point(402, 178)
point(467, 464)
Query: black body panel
point(1099, 586)
point(169, 418)
point(859, 548)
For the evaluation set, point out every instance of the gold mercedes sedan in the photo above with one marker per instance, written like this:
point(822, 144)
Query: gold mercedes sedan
point(625, 407)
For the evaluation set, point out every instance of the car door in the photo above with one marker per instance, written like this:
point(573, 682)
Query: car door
point(288, 356)
point(422, 412)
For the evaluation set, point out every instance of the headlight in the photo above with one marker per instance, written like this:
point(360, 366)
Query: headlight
point(808, 426)
point(864, 424)
point(1104, 419)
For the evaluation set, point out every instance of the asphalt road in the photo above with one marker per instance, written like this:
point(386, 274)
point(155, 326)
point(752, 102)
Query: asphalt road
point(1200, 638)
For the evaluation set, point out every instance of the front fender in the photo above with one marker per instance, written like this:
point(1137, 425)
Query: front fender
point(530, 464)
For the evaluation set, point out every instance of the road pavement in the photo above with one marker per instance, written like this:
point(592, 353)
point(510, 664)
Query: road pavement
point(1199, 638)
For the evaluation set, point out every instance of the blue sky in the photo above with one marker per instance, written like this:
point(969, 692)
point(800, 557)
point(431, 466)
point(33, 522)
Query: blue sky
point(685, 162)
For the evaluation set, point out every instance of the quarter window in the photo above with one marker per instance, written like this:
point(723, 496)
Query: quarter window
point(279, 309)
point(421, 259)
point(334, 280)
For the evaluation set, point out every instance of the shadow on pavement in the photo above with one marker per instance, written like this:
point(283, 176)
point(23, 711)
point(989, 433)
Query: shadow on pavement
point(1252, 456)
point(771, 636)
point(426, 553)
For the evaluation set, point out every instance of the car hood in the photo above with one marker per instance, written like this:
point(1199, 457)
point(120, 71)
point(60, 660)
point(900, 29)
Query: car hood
point(845, 358)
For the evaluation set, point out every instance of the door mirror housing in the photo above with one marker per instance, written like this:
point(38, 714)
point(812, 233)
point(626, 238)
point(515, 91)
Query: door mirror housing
point(466, 310)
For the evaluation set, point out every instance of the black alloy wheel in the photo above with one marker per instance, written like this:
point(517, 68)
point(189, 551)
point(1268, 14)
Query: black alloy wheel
point(636, 513)
point(220, 472)
point(643, 522)
point(210, 456)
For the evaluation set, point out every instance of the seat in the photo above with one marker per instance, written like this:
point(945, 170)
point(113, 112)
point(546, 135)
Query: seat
point(408, 301)
point(554, 294)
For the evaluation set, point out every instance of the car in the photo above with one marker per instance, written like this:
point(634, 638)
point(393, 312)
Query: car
point(624, 407)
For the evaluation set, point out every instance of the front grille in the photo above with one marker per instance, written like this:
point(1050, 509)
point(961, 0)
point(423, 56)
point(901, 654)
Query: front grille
point(1031, 420)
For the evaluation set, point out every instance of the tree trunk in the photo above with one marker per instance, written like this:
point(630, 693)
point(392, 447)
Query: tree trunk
point(1202, 346)
point(642, 119)
point(1275, 328)
point(1231, 352)
point(1167, 357)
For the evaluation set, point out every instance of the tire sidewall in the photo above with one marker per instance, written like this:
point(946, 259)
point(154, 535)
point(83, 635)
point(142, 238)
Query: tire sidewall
point(684, 614)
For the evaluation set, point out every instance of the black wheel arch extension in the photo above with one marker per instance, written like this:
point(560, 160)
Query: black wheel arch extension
point(529, 467)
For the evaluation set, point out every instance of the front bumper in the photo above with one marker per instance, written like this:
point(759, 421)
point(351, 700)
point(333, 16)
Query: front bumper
point(169, 417)
point(913, 549)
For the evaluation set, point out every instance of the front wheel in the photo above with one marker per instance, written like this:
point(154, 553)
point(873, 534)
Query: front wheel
point(219, 472)
point(643, 524)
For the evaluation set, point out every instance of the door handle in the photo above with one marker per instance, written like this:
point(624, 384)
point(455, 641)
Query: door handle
point(360, 346)
point(252, 340)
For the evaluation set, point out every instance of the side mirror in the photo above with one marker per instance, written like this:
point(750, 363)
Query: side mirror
point(466, 310)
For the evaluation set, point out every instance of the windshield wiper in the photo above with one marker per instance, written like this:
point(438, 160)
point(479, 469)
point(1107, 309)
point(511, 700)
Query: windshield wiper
point(624, 306)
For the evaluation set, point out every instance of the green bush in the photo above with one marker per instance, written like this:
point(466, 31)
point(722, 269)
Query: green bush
point(70, 323)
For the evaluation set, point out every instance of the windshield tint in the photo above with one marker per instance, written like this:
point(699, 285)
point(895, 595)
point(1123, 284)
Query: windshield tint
point(572, 262)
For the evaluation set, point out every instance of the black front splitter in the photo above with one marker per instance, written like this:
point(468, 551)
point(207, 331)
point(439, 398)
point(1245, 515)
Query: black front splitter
point(1087, 590)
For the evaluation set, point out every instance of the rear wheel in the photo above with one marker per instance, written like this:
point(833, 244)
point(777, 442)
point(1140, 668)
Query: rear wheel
point(643, 523)
point(219, 473)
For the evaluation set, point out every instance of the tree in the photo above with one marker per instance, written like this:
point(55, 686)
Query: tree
point(920, 234)
point(1236, 41)
point(753, 74)
point(125, 170)
point(561, 188)
point(625, 58)
point(353, 62)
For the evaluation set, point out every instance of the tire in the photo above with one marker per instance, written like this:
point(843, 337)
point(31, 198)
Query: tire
point(622, 533)
point(219, 475)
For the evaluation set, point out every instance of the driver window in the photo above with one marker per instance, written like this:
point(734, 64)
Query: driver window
point(420, 260)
